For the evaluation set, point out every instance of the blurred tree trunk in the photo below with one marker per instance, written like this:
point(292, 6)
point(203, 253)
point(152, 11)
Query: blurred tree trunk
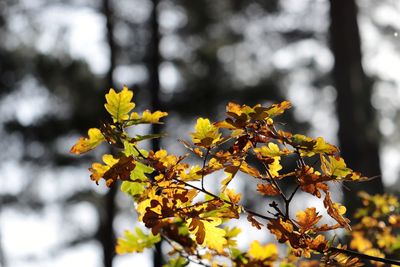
point(358, 134)
point(154, 87)
point(107, 237)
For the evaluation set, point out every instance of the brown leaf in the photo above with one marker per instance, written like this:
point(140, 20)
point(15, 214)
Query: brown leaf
point(254, 222)
point(267, 189)
point(334, 212)
point(121, 170)
point(311, 182)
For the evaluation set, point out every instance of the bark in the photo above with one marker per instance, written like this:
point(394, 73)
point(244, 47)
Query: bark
point(358, 134)
point(154, 87)
point(106, 234)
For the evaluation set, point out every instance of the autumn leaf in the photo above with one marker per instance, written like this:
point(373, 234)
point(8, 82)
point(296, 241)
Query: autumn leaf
point(147, 117)
point(206, 134)
point(309, 146)
point(267, 190)
point(335, 210)
point(95, 138)
point(254, 222)
point(194, 174)
point(119, 104)
point(98, 170)
point(261, 253)
point(120, 170)
point(233, 197)
point(336, 167)
point(283, 231)
point(113, 170)
point(359, 241)
point(272, 150)
point(277, 109)
point(207, 233)
point(307, 219)
point(311, 181)
point(231, 171)
point(136, 242)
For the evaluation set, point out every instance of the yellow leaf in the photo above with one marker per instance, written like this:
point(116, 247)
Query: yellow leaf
point(95, 138)
point(272, 150)
point(307, 219)
point(233, 197)
point(277, 109)
point(275, 167)
point(336, 167)
point(119, 104)
point(207, 233)
point(153, 117)
point(98, 170)
point(258, 252)
point(193, 174)
point(206, 134)
point(359, 242)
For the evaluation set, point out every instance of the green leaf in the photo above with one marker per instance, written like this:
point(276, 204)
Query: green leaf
point(177, 262)
point(133, 188)
point(136, 242)
point(119, 104)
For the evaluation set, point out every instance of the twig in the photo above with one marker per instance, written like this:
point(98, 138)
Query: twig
point(224, 200)
point(364, 256)
point(204, 164)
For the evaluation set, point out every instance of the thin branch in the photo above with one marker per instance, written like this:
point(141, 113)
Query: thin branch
point(185, 255)
point(224, 200)
point(204, 164)
point(364, 256)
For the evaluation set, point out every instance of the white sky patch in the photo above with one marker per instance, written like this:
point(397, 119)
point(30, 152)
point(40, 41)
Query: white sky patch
point(390, 164)
point(11, 178)
point(28, 234)
point(130, 74)
point(169, 77)
point(23, 103)
point(85, 30)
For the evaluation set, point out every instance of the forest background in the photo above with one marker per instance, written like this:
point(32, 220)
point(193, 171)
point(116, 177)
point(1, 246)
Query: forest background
point(336, 61)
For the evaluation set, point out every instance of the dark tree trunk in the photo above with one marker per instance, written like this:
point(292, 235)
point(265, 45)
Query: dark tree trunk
point(154, 87)
point(358, 134)
point(107, 237)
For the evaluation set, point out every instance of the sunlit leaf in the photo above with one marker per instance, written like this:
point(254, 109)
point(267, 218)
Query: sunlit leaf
point(207, 233)
point(335, 210)
point(258, 252)
point(307, 219)
point(206, 134)
point(119, 104)
point(272, 150)
point(95, 138)
point(336, 167)
point(135, 242)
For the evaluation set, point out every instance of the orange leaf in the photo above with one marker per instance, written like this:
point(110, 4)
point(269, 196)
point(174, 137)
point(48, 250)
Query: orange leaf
point(336, 211)
point(307, 219)
point(95, 138)
point(267, 189)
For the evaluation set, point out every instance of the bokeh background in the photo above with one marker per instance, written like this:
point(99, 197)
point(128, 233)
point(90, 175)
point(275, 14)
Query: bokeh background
point(337, 61)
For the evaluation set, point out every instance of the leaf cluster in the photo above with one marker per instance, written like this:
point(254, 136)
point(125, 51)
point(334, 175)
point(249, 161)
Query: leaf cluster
point(173, 203)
